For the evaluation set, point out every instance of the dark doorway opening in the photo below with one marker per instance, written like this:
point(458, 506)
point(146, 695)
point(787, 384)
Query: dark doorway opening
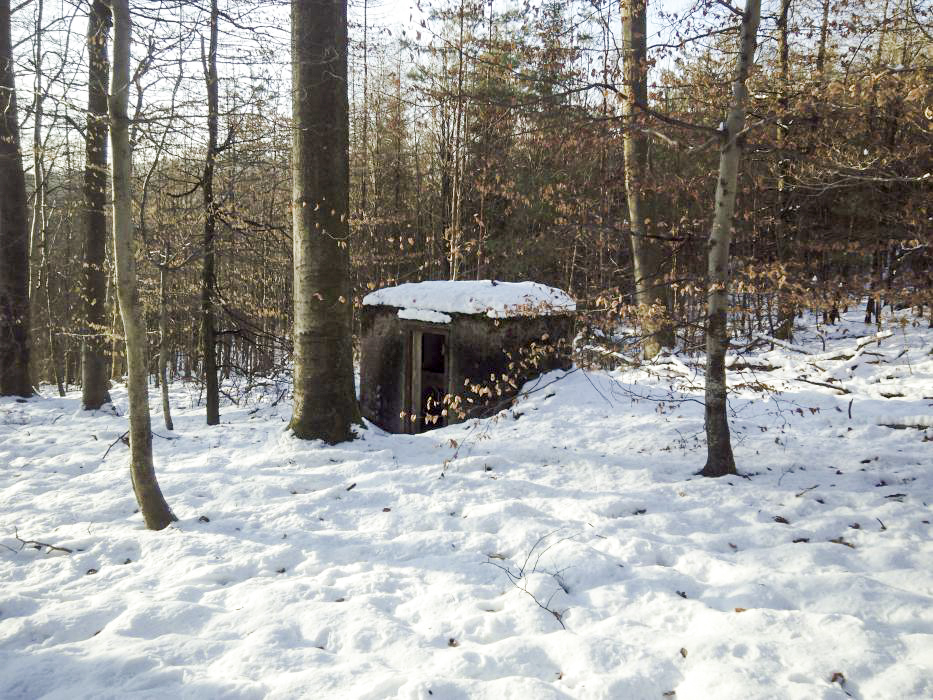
point(428, 382)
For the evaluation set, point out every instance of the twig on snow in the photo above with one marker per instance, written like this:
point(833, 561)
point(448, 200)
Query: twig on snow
point(520, 581)
point(38, 545)
point(125, 439)
point(840, 389)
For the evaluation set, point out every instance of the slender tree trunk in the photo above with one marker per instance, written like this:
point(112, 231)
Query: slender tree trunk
point(39, 227)
point(152, 505)
point(208, 340)
point(786, 309)
point(45, 280)
point(364, 148)
point(163, 341)
point(95, 381)
point(649, 258)
point(720, 460)
point(821, 50)
point(116, 344)
point(14, 232)
point(881, 38)
point(445, 157)
point(454, 233)
point(325, 397)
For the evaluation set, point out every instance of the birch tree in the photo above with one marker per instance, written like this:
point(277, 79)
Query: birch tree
point(152, 505)
point(325, 404)
point(719, 460)
point(14, 231)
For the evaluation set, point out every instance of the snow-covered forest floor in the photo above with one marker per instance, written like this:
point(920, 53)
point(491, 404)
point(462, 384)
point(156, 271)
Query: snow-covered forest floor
point(562, 550)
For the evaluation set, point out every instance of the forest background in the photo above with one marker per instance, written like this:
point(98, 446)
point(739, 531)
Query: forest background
point(486, 142)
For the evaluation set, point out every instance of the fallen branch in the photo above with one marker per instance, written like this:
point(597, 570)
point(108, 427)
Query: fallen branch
point(840, 389)
point(862, 343)
point(867, 340)
point(906, 426)
point(35, 544)
point(741, 364)
point(610, 353)
point(782, 344)
point(125, 439)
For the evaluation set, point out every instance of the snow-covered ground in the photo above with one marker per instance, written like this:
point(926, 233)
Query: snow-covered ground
point(562, 550)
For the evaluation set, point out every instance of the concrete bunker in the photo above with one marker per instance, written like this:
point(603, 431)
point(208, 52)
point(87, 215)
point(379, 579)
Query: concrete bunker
point(434, 353)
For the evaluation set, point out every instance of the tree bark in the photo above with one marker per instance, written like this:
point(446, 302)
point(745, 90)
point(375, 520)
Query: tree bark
point(649, 259)
point(325, 404)
point(364, 146)
point(95, 381)
point(208, 341)
point(14, 231)
point(784, 240)
point(163, 341)
point(821, 52)
point(719, 460)
point(39, 227)
point(454, 234)
point(152, 505)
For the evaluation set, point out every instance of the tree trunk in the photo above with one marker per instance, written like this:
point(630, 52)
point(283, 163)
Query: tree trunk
point(719, 460)
point(325, 397)
point(208, 342)
point(364, 148)
point(14, 232)
point(821, 51)
point(163, 342)
point(784, 240)
point(454, 233)
point(95, 381)
point(649, 259)
point(116, 343)
point(152, 505)
point(39, 228)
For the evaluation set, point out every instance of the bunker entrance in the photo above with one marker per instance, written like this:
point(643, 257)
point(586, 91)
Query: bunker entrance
point(428, 380)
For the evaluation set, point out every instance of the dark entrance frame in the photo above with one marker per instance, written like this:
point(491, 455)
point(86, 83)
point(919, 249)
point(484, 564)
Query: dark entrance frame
point(427, 373)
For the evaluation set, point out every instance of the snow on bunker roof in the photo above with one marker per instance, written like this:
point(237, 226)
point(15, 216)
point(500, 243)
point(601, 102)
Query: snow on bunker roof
point(490, 297)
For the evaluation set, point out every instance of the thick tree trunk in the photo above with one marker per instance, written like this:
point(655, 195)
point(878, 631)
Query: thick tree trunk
point(152, 505)
point(325, 397)
point(649, 258)
point(719, 460)
point(14, 231)
point(95, 381)
point(208, 342)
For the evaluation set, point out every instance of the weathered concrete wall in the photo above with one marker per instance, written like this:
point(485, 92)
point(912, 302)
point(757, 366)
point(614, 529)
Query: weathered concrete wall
point(383, 349)
point(476, 349)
